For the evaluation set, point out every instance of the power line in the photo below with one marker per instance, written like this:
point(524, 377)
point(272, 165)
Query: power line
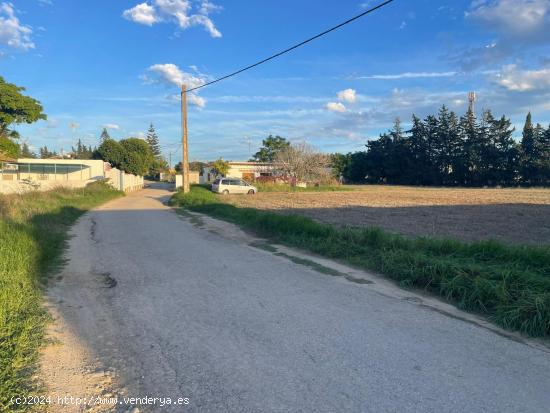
point(295, 46)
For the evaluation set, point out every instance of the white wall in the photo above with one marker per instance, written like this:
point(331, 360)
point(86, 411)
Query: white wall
point(193, 179)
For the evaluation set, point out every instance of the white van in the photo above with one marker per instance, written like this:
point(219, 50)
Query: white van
point(233, 186)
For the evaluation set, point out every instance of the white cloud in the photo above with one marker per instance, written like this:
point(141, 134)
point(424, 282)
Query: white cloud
point(336, 107)
point(171, 74)
point(196, 100)
point(45, 2)
point(347, 95)
point(519, 80)
point(523, 18)
point(12, 32)
point(408, 75)
point(206, 7)
point(178, 11)
point(142, 14)
point(111, 126)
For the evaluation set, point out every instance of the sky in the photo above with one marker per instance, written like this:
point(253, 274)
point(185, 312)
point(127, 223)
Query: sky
point(119, 64)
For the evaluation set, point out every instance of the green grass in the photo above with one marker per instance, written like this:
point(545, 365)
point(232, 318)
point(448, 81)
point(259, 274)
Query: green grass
point(262, 187)
point(508, 284)
point(33, 233)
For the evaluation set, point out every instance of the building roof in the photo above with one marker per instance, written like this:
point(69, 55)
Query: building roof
point(250, 163)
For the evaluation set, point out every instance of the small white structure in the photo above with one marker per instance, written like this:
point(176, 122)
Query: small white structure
point(193, 179)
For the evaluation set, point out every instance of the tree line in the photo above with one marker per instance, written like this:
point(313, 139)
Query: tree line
point(445, 150)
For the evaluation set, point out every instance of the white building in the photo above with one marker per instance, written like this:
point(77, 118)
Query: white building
point(248, 171)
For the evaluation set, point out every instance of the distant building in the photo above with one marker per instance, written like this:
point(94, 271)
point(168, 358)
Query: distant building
point(248, 171)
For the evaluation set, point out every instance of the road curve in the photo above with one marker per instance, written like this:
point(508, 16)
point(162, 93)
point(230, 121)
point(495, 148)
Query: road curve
point(178, 311)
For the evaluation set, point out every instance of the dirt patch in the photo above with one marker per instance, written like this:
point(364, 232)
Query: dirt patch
point(509, 215)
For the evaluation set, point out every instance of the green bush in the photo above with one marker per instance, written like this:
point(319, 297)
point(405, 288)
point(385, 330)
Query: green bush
point(131, 155)
point(509, 284)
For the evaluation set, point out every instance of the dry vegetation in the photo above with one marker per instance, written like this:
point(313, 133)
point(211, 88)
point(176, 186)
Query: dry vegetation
point(510, 215)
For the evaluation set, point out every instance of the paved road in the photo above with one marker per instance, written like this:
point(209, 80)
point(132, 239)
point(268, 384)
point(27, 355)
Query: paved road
point(180, 311)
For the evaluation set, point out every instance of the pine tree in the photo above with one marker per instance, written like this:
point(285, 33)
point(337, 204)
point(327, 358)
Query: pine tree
point(26, 151)
point(545, 157)
point(419, 161)
point(469, 158)
point(447, 145)
point(104, 135)
point(45, 153)
point(505, 161)
point(528, 151)
point(153, 141)
point(432, 175)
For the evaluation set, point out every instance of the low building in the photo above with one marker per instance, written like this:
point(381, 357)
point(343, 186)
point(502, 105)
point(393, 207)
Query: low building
point(53, 169)
point(249, 171)
point(28, 173)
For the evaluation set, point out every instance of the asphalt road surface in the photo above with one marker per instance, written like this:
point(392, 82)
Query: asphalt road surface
point(179, 311)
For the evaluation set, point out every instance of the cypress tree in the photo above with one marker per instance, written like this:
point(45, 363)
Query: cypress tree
point(528, 151)
point(104, 135)
point(26, 151)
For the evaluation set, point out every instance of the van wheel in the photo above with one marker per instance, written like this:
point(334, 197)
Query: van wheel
point(225, 192)
point(251, 192)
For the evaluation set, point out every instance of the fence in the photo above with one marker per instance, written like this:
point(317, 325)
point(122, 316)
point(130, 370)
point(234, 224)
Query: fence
point(124, 181)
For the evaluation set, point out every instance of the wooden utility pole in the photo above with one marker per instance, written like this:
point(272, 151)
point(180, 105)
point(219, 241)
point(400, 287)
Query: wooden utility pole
point(184, 160)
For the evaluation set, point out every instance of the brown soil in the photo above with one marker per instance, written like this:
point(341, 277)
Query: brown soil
point(509, 215)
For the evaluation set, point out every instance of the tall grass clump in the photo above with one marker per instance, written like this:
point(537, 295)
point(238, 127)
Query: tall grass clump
point(508, 284)
point(33, 232)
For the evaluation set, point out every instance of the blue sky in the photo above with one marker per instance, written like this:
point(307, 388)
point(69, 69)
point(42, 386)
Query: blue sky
point(118, 64)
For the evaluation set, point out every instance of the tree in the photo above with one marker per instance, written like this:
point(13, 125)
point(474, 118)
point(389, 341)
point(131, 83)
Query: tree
point(221, 167)
point(81, 151)
point(196, 166)
point(447, 147)
point(136, 156)
point(26, 151)
point(8, 147)
point(16, 108)
point(445, 150)
point(110, 151)
point(45, 153)
point(158, 163)
point(469, 160)
point(528, 169)
point(104, 135)
point(153, 141)
point(544, 157)
point(270, 147)
point(505, 152)
point(357, 168)
point(338, 164)
point(302, 163)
